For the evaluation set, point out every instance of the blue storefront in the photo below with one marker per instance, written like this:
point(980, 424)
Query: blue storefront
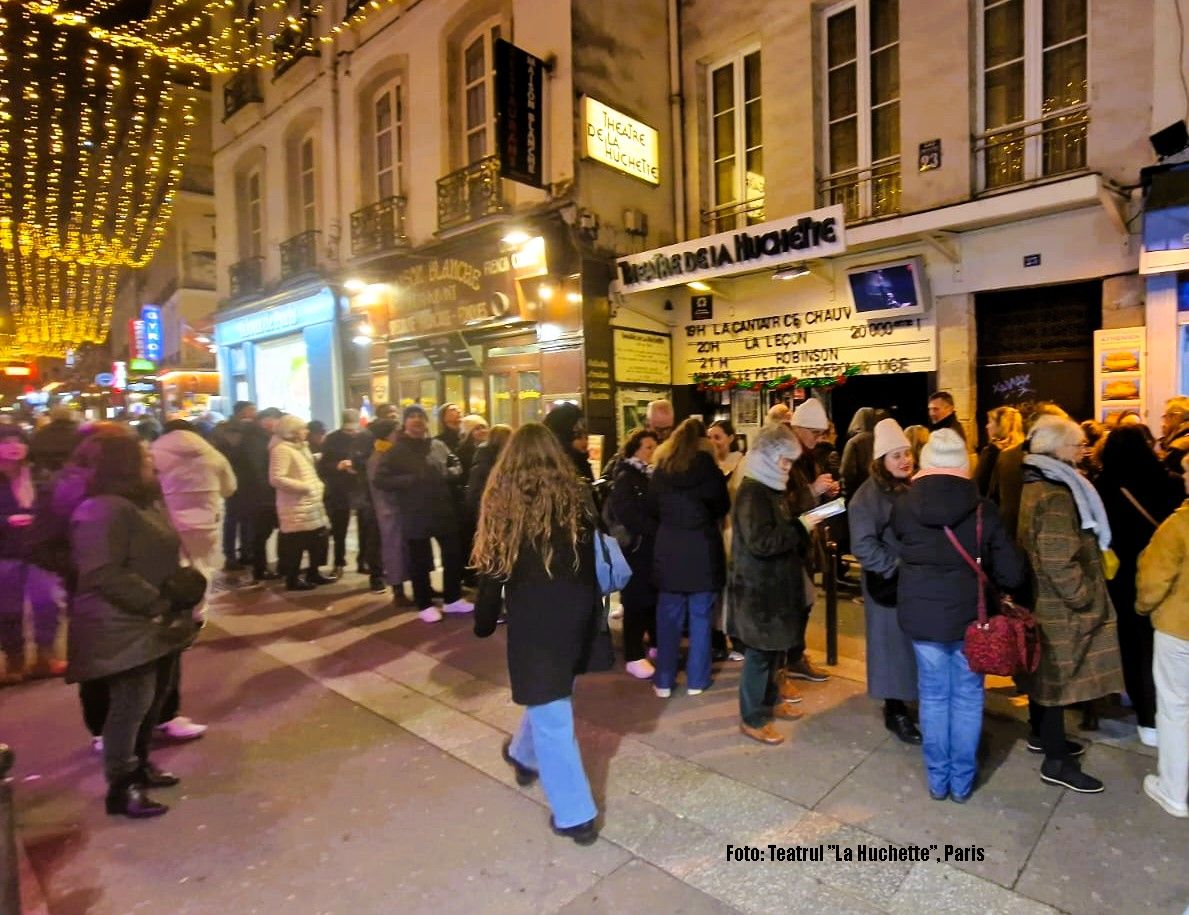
point(284, 352)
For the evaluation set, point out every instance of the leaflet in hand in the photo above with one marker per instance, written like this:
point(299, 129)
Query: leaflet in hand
point(825, 510)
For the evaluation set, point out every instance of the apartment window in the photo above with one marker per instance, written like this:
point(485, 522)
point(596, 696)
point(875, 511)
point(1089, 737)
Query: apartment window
point(1033, 105)
point(308, 184)
point(862, 108)
point(478, 65)
point(389, 115)
point(736, 143)
point(255, 216)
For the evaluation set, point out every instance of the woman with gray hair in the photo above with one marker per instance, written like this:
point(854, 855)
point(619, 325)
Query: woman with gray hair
point(767, 581)
point(1064, 530)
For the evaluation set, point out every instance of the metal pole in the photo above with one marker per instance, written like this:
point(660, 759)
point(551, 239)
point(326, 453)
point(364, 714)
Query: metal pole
point(10, 890)
point(830, 580)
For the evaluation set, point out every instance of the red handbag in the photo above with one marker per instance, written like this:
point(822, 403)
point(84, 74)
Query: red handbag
point(1008, 643)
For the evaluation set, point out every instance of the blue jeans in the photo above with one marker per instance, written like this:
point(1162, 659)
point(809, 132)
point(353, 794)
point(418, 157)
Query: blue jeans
point(21, 582)
point(671, 611)
point(545, 742)
point(951, 715)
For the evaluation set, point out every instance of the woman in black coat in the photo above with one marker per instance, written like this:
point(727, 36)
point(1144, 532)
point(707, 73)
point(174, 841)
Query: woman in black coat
point(635, 527)
point(535, 548)
point(688, 496)
point(937, 598)
point(568, 424)
point(1138, 494)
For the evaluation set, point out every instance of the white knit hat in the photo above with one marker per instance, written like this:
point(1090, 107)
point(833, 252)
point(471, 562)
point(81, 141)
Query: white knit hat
point(811, 415)
point(889, 437)
point(945, 450)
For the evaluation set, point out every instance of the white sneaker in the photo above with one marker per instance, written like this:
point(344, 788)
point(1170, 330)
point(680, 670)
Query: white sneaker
point(97, 744)
point(459, 606)
point(1147, 736)
point(694, 692)
point(1155, 790)
point(641, 670)
point(735, 656)
point(430, 614)
point(661, 692)
point(182, 728)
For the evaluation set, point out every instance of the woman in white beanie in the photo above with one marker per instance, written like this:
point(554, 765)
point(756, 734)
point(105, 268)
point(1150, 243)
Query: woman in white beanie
point(891, 662)
point(937, 597)
point(303, 520)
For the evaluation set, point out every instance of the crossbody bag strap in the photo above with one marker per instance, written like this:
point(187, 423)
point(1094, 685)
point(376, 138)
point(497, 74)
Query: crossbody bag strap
point(1139, 508)
point(975, 564)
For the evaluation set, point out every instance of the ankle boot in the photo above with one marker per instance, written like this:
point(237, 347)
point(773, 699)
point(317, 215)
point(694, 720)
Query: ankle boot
point(293, 583)
point(149, 776)
point(900, 724)
point(126, 798)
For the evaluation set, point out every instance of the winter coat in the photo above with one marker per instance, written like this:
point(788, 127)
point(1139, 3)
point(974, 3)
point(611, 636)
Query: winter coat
point(242, 442)
point(484, 463)
point(891, 662)
point(51, 445)
point(393, 552)
point(451, 438)
point(119, 618)
point(1079, 648)
point(767, 586)
point(688, 557)
point(552, 622)
point(984, 470)
point(629, 507)
point(1007, 482)
point(937, 596)
point(14, 541)
point(341, 485)
point(299, 488)
point(418, 471)
point(856, 462)
point(950, 422)
point(195, 479)
point(1163, 584)
point(1176, 446)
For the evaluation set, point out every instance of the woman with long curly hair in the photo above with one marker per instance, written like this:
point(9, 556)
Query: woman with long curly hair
point(534, 547)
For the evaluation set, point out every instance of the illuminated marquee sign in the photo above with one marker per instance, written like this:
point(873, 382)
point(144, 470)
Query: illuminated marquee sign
point(619, 141)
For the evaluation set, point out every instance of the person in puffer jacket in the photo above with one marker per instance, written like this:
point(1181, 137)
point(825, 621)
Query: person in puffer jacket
point(302, 515)
point(195, 479)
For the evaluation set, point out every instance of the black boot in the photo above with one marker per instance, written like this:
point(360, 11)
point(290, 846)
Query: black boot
point(1068, 774)
point(314, 577)
point(524, 775)
point(126, 798)
point(149, 776)
point(900, 724)
point(583, 833)
point(293, 583)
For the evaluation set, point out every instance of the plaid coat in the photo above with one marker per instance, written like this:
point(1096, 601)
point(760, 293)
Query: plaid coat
point(1079, 657)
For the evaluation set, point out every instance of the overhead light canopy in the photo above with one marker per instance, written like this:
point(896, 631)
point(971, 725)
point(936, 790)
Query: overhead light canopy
point(790, 272)
point(698, 286)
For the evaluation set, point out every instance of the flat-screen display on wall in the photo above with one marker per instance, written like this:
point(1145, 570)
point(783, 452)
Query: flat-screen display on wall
point(888, 290)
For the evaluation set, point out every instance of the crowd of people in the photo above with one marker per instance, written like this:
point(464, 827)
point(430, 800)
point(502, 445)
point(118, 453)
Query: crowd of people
point(127, 528)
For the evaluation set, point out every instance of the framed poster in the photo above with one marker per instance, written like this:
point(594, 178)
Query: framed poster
point(1119, 371)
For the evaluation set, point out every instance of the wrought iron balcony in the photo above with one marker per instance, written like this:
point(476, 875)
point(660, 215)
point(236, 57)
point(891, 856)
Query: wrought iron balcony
point(295, 43)
point(299, 254)
point(732, 216)
point(247, 276)
point(470, 193)
point(865, 193)
point(242, 88)
point(379, 227)
point(1033, 150)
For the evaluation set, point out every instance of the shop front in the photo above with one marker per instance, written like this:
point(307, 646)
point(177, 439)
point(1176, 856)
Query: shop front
point(284, 353)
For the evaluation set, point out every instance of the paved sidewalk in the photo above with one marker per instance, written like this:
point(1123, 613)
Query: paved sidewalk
point(353, 766)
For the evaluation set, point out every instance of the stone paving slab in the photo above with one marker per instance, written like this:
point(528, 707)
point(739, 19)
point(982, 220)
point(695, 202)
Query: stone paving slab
point(640, 887)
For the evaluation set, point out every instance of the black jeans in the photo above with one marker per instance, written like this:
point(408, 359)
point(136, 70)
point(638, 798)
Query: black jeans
point(1136, 646)
point(291, 546)
point(94, 697)
point(1048, 724)
point(421, 564)
point(639, 619)
point(340, 522)
point(264, 522)
point(237, 530)
point(135, 697)
point(370, 544)
point(757, 691)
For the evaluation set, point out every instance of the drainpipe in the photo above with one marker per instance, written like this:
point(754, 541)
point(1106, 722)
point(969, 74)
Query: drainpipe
point(676, 120)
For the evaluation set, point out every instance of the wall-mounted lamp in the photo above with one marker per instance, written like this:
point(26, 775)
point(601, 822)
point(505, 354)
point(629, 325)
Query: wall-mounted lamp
point(698, 286)
point(515, 237)
point(790, 273)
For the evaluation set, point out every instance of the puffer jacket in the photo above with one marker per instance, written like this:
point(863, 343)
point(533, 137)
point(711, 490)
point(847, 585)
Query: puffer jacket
point(195, 479)
point(299, 488)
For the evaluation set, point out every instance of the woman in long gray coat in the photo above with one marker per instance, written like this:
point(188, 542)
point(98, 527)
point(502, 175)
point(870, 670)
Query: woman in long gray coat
point(126, 627)
point(767, 587)
point(1064, 529)
point(392, 541)
point(891, 663)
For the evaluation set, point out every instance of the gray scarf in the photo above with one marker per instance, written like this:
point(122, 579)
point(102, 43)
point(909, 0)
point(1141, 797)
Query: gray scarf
point(763, 466)
point(1089, 504)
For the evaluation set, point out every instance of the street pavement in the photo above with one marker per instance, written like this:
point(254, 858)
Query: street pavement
point(353, 766)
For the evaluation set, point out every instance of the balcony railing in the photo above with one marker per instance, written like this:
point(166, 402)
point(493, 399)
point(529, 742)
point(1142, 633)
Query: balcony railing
point(470, 193)
point(243, 88)
point(1032, 150)
point(865, 193)
point(299, 254)
point(247, 276)
point(379, 227)
point(294, 43)
point(731, 216)
point(198, 270)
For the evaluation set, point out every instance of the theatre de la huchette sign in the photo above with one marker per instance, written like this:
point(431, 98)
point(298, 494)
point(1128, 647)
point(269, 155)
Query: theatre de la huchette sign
point(765, 246)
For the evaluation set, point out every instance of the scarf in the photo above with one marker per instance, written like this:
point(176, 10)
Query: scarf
point(1089, 504)
point(645, 469)
point(763, 466)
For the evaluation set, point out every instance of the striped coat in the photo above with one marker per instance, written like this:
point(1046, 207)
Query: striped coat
point(1079, 646)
